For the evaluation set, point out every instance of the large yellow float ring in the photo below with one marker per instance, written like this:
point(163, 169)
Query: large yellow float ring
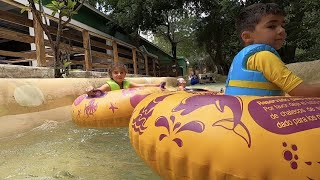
point(109, 109)
point(218, 137)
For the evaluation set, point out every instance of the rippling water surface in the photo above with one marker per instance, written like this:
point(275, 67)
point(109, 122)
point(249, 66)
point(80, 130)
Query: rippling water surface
point(65, 151)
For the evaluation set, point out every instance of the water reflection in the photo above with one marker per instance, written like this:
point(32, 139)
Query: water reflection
point(64, 151)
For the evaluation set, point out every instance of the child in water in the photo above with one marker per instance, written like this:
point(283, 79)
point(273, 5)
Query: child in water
point(181, 84)
point(117, 73)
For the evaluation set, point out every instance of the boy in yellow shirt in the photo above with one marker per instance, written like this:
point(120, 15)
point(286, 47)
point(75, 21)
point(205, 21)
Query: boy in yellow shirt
point(257, 69)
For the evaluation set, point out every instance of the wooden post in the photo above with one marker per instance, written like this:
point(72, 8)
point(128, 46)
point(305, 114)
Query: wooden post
point(115, 51)
point(134, 58)
point(39, 42)
point(146, 64)
point(154, 66)
point(87, 50)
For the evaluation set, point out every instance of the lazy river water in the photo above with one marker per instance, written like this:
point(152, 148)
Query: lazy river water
point(64, 151)
point(39, 141)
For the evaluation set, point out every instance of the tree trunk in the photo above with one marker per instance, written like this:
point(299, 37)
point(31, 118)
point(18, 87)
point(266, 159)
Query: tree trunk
point(174, 55)
point(57, 63)
point(136, 39)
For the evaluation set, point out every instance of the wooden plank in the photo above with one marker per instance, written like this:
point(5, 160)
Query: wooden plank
point(16, 36)
point(14, 3)
point(107, 38)
point(100, 45)
point(73, 49)
point(74, 37)
point(27, 55)
point(13, 61)
point(16, 19)
point(115, 51)
point(125, 60)
point(124, 52)
point(101, 55)
point(39, 41)
point(102, 66)
point(77, 62)
point(87, 50)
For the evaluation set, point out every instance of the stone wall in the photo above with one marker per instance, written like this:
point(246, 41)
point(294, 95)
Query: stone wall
point(16, 71)
point(308, 71)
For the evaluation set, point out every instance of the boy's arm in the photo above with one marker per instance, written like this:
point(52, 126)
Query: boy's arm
point(305, 89)
point(274, 70)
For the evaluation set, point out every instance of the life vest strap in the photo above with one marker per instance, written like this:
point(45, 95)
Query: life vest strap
point(253, 84)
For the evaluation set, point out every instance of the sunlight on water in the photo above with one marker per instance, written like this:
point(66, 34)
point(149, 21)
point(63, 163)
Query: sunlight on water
point(64, 151)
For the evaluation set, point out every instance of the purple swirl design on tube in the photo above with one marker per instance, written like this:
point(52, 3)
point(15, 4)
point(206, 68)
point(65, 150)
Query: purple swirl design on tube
point(192, 126)
point(195, 102)
point(79, 99)
point(134, 101)
point(138, 122)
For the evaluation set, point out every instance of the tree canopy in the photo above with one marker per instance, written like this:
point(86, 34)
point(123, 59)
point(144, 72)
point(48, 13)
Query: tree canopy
point(204, 30)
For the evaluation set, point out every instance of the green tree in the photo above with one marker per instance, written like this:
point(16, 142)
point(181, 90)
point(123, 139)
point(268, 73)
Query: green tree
point(134, 16)
point(216, 31)
point(212, 25)
point(64, 8)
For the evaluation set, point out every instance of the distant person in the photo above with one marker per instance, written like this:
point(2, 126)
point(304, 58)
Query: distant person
point(258, 69)
point(117, 73)
point(193, 78)
point(181, 84)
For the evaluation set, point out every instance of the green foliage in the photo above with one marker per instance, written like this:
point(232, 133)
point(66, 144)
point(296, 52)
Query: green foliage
point(64, 8)
point(204, 30)
point(133, 15)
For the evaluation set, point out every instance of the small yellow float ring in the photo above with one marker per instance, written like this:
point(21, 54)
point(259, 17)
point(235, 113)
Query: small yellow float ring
point(109, 109)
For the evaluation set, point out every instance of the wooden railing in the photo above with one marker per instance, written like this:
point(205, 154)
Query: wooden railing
point(88, 50)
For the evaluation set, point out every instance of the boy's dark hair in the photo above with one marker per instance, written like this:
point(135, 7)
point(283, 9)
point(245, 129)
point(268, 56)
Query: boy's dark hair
point(117, 65)
point(251, 15)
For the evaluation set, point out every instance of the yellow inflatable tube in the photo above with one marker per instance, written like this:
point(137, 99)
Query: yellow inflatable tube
point(218, 137)
point(109, 109)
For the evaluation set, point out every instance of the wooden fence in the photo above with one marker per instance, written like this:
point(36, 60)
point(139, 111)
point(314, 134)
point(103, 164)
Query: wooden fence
point(87, 50)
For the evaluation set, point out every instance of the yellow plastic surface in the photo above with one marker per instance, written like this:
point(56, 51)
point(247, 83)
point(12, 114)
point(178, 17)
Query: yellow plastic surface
point(217, 137)
point(111, 109)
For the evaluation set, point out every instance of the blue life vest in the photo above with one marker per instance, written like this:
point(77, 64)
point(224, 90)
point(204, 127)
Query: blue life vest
point(242, 81)
point(115, 86)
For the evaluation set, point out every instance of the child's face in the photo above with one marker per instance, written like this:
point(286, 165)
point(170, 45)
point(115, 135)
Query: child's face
point(182, 83)
point(118, 75)
point(270, 30)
